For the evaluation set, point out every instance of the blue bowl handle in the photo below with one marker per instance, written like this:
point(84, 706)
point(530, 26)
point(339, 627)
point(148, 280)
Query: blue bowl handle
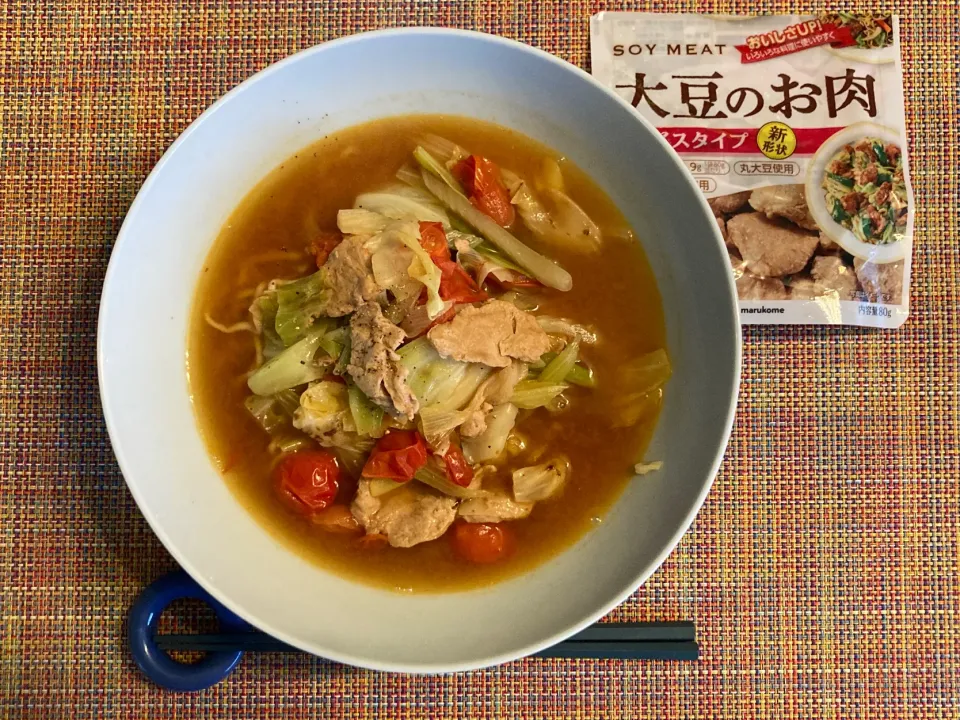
point(154, 662)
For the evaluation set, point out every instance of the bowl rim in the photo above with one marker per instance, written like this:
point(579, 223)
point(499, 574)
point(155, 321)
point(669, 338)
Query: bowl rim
point(877, 254)
point(358, 660)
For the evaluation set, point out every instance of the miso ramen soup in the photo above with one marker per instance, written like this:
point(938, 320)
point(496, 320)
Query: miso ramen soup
point(427, 353)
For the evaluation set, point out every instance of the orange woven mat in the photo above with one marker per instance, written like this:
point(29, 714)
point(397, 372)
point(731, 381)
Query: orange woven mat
point(821, 573)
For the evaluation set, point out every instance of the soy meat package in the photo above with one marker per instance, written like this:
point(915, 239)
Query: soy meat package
point(793, 128)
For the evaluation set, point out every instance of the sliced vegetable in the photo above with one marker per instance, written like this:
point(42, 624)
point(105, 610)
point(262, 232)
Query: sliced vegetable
point(366, 416)
point(560, 221)
point(437, 424)
point(459, 471)
point(391, 265)
point(402, 202)
point(336, 519)
point(358, 221)
point(436, 169)
point(396, 456)
point(263, 312)
point(559, 367)
point(538, 266)
point(423, 269)
point(324, 244)
point(482, 543)
point(493, 265)
point(266, 412)
point(493, 507)
point(333, 342)
point(410, 175)
point(473, 378)
point(530, 394)
point(489, 444)
point(290, 442)
point(640, 391)
point(480, 178)
point(294, 366)
point(439, 383)
point(539, 482)
point(579, 374)
point(434, 474)
point(341, 365)
point(308, 480)
point(288, 400)
point(445, 150)
point(647, 372)
point(522, 300)
point(299, 304)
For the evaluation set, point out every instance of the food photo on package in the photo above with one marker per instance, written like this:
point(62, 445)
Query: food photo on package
point(793, 127)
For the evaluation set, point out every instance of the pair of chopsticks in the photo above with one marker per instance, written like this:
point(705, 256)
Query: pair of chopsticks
point(602, 641)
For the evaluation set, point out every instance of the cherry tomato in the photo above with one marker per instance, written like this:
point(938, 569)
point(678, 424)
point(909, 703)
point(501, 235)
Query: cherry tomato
point(482, 542)
point(397, 456)
point(457, 285)
point(434, 240)
point(459, 471)
point(323, 245)
point(486, 191)
point(308, 480)
point(336, 519)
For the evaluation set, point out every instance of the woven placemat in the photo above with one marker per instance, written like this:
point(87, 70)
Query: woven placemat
point(821, 573)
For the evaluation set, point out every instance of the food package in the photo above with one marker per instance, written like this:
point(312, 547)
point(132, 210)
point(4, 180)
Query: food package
point(793, 127)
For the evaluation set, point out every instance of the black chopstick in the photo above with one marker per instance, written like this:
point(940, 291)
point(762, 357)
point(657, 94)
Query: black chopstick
point(619, 641)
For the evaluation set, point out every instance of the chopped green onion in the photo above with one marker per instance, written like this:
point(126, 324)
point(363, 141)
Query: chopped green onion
point(838, 213)
point(841, 179)
point(881, 153)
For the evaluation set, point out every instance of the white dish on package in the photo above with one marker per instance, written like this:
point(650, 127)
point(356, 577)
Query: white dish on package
point(817, 202)
point(146, 304)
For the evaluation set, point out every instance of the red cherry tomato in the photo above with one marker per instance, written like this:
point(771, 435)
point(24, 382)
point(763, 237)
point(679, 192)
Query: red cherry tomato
point(459, 471)
point(457, 285)
point(434, 240)
point(323, 245)
point(481, 179)
point(482, 543)
point(308, 480)
point(397, 456)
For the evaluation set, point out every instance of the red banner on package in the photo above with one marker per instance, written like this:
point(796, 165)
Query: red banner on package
point(741, 141)
point(794, 38)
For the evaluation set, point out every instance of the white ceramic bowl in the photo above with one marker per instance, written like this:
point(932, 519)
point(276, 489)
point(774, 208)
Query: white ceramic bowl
point(817, 201)
point(145, 309)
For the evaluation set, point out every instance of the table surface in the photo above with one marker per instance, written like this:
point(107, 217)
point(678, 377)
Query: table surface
point(821, 573)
